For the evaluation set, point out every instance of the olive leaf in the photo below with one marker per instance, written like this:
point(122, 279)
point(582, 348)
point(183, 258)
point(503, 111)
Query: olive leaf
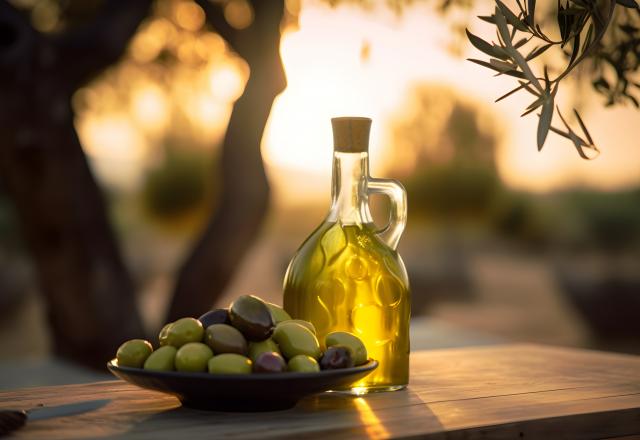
point(628, 3)
point(544, 123)
point(582, 25)
point(512, 18)
point(537, 51)
point(485, 47)
point(580, 144)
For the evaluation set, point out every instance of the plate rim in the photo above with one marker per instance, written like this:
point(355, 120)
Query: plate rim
point(371, 365)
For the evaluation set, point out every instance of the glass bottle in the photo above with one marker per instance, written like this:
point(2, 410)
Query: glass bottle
point(347, 275)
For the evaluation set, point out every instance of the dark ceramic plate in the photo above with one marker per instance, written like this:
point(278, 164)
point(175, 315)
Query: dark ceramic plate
point(254, 392)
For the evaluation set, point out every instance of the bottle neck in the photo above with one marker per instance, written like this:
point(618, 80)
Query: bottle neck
point(350, 201)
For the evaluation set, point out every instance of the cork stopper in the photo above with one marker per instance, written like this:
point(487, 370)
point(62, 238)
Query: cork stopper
point(351, 134)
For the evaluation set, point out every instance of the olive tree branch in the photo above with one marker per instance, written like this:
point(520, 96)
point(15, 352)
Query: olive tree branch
point(583, 25)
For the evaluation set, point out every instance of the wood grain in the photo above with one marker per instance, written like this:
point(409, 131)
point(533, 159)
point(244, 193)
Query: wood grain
point(505, 392)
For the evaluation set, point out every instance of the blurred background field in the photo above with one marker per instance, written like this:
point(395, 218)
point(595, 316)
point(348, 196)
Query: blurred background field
point(504, 243)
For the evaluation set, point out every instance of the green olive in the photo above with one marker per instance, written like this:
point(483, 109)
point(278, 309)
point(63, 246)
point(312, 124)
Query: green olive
point(303, 364)
point(266, 346)
point(193, 357)
point(183, 331)
point(223, 338)
point(252, 317)
point(229, 363)
point(294, 339)
point(164, 334)
point(306, 324)
point(163, 359)
point(278, 313)
point(133, 353)
point(352, 342)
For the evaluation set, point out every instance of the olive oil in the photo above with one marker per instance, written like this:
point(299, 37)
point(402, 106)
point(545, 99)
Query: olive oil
point(344, 278)
point(347, 276)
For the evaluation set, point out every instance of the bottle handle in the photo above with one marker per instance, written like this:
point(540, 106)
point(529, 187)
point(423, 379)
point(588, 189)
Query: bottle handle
point(393, 189)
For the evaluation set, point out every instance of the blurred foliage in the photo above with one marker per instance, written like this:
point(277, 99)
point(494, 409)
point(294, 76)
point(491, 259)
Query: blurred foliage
point(51, 16)
point(616, 63)
point(606, 33)
point(445, 152)
point(453, 181)
point(607, 221)
point(576, 220)
point(450, 140)
point(603, 34)
point(180, 185)
point(151, 124)
point(518, 216)
point(165, 105)
point(453, 191)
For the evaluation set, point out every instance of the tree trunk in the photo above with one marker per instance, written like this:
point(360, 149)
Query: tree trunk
point(245, 190)
point(88, 291)
point(89, 294)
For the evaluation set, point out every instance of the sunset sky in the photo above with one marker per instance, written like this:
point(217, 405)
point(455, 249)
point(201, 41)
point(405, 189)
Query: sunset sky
point(327, 77)
point(341, 61)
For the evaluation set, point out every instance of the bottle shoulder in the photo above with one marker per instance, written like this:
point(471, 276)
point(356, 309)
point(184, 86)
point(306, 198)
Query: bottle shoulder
point(333, 245)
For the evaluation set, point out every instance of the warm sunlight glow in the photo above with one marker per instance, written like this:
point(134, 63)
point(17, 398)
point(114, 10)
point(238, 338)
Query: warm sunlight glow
point(114, 137)
point(372, 424)
point(119, 146)
point(340, 61)
point(207, 113)
point(354, 61)
point(238, 13)
point(359, 391)
point(149, 108)
point(175, 89)
point(149, 41)
point(188, 15)
point(226, 82)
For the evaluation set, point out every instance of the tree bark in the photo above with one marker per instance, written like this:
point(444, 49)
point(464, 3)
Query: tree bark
point(245, 190)
point(88, 292)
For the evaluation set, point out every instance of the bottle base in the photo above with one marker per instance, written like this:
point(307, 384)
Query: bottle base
point(360, 391)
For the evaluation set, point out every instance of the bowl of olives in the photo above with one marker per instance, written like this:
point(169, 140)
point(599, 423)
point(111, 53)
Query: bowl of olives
point(250, 357)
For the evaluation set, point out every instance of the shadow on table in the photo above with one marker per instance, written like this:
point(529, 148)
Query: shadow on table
point(377, 415)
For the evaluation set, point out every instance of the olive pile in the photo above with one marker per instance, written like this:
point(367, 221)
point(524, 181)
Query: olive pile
point(250, 336)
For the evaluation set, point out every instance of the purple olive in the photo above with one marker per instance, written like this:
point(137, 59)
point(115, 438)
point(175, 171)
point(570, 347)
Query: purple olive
point(269, 362)
point(217, 316)
point(337, 356)
point(252, 317)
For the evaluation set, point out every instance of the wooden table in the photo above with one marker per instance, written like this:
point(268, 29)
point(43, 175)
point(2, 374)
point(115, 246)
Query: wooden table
point(507, 391)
